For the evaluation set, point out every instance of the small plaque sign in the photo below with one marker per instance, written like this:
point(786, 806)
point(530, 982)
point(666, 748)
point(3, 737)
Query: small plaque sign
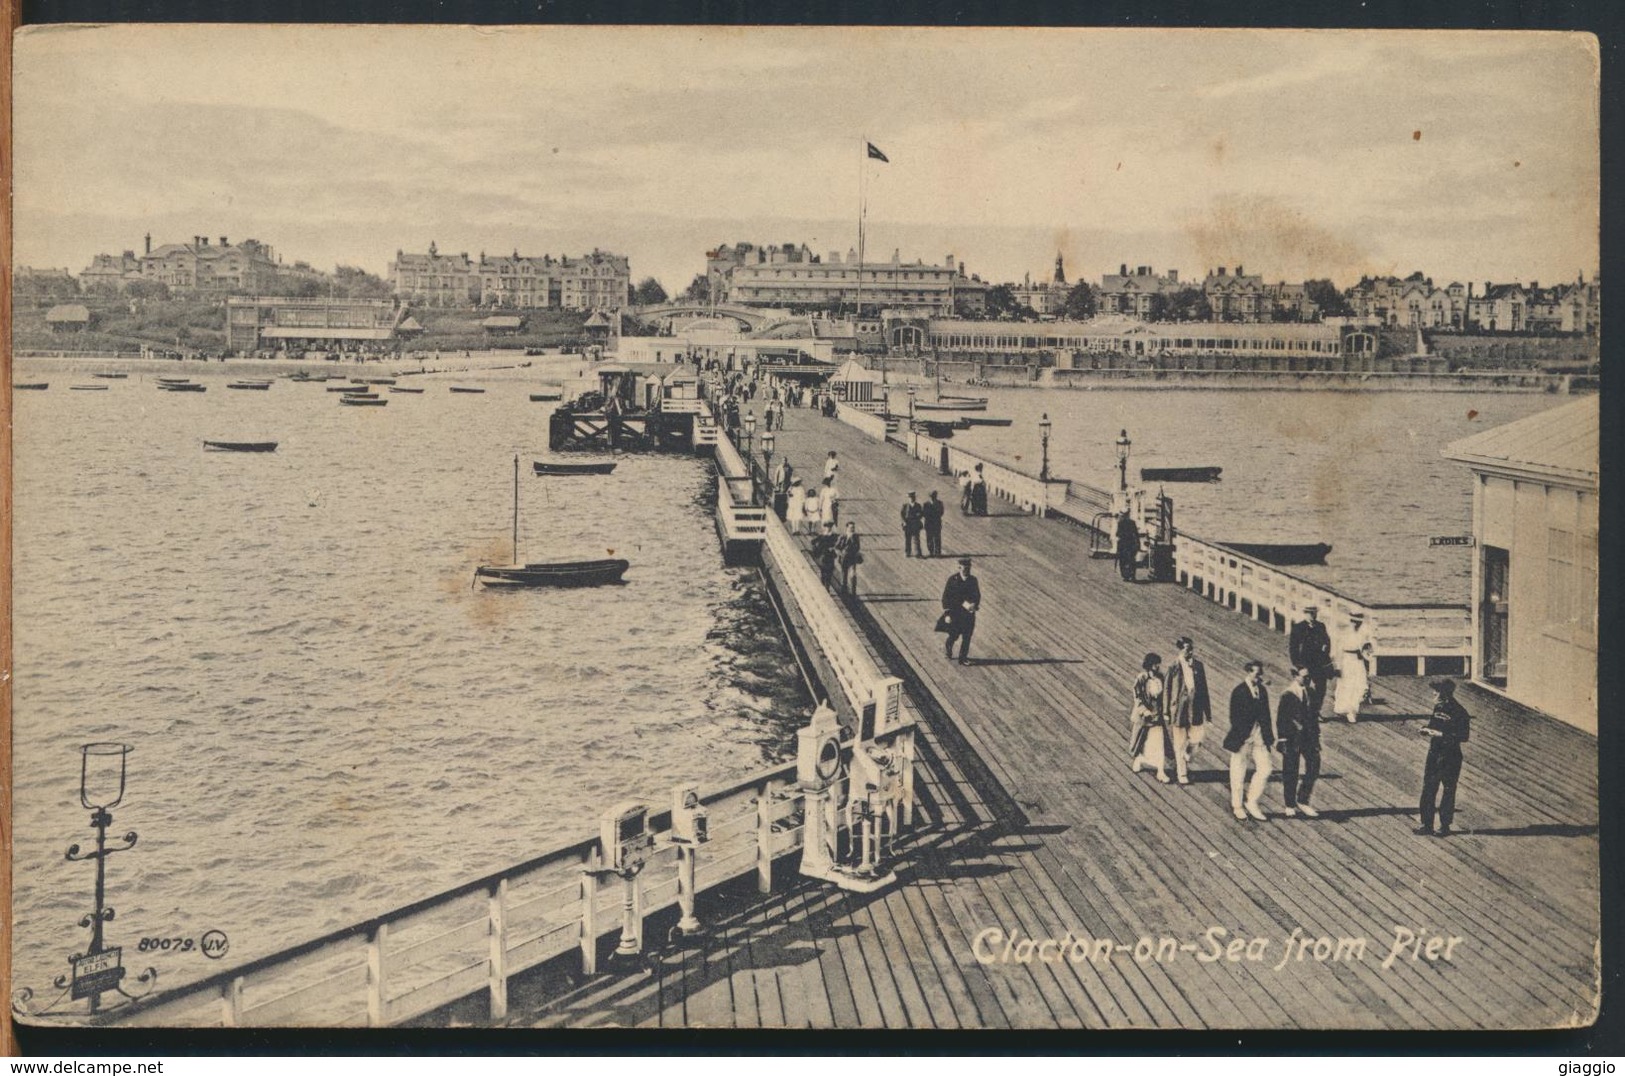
point(1453, 539)
point(96, 972)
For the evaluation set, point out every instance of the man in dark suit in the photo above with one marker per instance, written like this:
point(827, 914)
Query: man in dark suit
point(961, 597)
point(1310, 647)
point(1298, 727)
point(1446, 730)
point(1189, 711)
point(932, 510)
point(1249, 740)
point(1128, 546)
point(913, 522)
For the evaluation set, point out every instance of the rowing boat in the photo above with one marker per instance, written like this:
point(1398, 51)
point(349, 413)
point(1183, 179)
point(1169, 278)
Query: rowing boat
point(573, 468)
point(1180, 474)
point(241, 446)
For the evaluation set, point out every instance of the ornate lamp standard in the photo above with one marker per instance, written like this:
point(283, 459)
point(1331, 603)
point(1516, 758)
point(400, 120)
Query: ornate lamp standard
point(101, 787)
point(911, 425)
point(768, 441)
point(750, 429)
point(1044, 425)
point(1123, 444)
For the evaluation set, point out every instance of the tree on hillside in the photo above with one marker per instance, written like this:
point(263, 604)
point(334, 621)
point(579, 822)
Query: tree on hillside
point(698, 290)
point(354, 283)
point(1324, 294)
point(1080, 304)
point(648, 292)
point(1189, 304)
point(1001, 301)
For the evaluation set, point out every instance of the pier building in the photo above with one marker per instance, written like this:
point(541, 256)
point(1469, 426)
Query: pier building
point(1534, 591)
point(255, 323)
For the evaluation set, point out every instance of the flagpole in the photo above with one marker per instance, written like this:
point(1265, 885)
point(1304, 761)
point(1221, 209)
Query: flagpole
point(863, 153)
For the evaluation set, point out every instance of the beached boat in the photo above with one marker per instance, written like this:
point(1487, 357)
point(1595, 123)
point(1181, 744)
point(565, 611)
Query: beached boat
point(1283, 555)
point(37, 386)
point(362, 401)
point(1180, 474)
point(410, 392)
point(240, 446)
point(573, 468)
point(460, 388)
point(597, 572)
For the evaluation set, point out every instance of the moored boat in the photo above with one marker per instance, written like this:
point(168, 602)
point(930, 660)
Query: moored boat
point(1180, 474)
point(547, 394)
point(241, 446)
point(112, 376)
point(362, 401)
point(256, 386)
point(37, 386)
point(1282, 554)
point(461, 388)
point(87, 388)
point(543, 468)
point(972, 420)
point(594, 572)
point(183, 386)
point(349, 390)
point(411, 392)
point(952, 405)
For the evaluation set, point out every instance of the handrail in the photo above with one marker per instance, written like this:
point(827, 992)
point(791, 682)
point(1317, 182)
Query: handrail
point(1027, 491)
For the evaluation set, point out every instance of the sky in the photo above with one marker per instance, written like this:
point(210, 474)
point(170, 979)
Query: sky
point(1469, 156)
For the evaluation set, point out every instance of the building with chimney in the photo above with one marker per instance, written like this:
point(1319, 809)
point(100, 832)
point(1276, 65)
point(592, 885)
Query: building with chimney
point(1411, 303)
point(1133, 294)
point(201, 266)
point(797, 278)
point(595, 281)
point(1236, 296)
point(1046, 296)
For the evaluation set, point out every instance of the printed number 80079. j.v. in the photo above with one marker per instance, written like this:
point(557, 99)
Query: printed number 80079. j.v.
point(166, 945)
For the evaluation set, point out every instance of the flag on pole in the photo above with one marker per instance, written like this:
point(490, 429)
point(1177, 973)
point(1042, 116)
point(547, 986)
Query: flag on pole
point(874, 152)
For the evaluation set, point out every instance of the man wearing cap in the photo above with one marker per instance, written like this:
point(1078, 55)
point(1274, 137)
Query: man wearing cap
point(961, 597)
point(1310, 647)
point(1249, 739)
point(1189, 711)
point(913, 522)
point(1446, 730)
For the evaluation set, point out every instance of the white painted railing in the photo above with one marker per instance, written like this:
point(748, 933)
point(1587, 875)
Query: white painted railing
point(472, 939)
point(872, 425)
point(1276, 597)
point(1027, 492)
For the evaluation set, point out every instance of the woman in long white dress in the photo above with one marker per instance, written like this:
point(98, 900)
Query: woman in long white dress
point(795, 509)
point(1353, 680)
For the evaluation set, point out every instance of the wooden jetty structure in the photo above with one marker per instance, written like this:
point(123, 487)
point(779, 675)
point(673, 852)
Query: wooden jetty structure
point(1038, 881)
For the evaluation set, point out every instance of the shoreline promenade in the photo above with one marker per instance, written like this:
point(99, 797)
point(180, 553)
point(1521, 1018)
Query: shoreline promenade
point(1164, 911)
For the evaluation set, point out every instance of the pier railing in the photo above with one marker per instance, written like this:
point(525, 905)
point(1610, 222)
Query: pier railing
point(1423, 638)
point(471, 939)
point(869, 423)
point(1025, 491)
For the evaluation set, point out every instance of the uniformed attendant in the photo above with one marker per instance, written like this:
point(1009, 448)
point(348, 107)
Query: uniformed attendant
point(961, 598)
point(1446, 730)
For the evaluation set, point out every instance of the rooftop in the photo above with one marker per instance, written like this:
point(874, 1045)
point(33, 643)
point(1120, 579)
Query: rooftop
point(1561, 443)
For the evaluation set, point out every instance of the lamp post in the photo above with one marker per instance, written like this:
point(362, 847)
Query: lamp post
point(1044, 425)
point(768, 440)
point(750, 429)
point(1123, 444)
point(102, 768)
point(912, 428)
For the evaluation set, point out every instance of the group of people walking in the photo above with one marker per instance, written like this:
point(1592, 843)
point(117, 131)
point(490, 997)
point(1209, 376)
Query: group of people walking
point(1170, 712)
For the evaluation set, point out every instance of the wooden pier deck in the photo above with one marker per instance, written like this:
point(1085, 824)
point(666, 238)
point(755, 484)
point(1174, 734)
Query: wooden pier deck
point(1033, 825)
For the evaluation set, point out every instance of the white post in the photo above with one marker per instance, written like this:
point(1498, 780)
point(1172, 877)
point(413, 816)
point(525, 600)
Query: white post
point(689, 923)
point(231, 1007)
point(589, 919)
point(499, 950)
point(377, 999)
point(906, 740)
point(764, 839)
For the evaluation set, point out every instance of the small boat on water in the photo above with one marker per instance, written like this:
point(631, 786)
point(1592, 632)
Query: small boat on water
point(597, 572)
point(362, 401)
point(183, 386)
point(547, 394)
point(460, 388)
point(1283, 555)
point(940, 430)
point(256, 386)
point(414, 392)
point(349, 390)
point(573, 468)
point(1180, 474)
point(240, 446)
point(87, 388)
point(972, 420)
point(952, 405)
point(379, 381)
point(174, 381)
point(37, 386)
point(112, 376)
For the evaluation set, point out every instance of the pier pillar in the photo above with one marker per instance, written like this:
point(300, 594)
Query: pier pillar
point(589, 917)
point(499, 950)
